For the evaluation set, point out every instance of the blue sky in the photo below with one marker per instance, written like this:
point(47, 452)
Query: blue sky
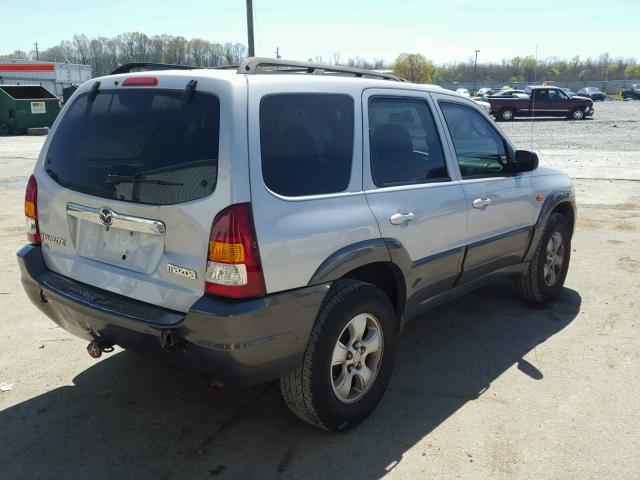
point(442, 30)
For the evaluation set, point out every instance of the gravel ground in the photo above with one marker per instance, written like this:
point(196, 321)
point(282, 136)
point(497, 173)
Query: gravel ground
point(486, 387)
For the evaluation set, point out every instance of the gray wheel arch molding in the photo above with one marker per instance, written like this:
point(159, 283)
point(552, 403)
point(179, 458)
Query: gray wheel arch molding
point(349, 258)
point(552, 200)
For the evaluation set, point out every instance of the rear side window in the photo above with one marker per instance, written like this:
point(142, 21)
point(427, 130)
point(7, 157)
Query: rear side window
point(404, 143)
point(480, 149)
point(144, 146)
point(306, 143)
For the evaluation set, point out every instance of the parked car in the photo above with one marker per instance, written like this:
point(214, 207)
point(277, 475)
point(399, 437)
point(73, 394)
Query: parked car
point(568, 91)
point(633, 92)
point(486, 106)
point(266, 223)
point(485, 91)
point(593, 93)
point(463, 91)
point(541, 101)
point(509, 94)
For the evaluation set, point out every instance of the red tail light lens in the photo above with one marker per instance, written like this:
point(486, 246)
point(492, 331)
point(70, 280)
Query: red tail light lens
point(31, 211)
point(233, 266)
point(140, 82)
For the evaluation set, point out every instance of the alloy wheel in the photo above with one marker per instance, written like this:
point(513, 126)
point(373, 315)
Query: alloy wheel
point(554, 259)
point(356, 359)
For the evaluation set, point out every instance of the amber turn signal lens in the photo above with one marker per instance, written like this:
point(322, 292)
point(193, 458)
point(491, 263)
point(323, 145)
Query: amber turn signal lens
point(29, 209)
point(226, 252)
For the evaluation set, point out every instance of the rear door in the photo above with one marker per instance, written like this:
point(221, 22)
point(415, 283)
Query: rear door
point(500, 204)
point(129, 185)
point(412, 190)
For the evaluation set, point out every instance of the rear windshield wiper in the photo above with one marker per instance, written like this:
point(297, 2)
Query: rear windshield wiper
point(111, 178)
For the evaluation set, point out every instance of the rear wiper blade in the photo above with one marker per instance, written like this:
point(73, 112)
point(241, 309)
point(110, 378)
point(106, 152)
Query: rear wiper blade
point(139, 179)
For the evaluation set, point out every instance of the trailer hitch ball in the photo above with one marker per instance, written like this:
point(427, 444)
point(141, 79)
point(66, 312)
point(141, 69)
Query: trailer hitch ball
point(95, 349)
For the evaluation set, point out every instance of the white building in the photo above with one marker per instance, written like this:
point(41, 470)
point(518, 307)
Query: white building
point(54, 76)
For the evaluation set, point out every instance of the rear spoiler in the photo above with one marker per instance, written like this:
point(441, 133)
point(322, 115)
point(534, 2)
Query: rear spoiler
point(146, 66)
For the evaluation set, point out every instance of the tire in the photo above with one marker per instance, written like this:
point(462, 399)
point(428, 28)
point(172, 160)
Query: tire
point(310, 390)
point(506, 114)
point(535, 285)
point(578, 114)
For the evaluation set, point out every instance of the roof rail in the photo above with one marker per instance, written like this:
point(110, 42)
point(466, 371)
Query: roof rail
point(259, 65)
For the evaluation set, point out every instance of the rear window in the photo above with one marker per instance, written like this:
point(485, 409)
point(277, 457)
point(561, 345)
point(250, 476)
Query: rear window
point(306, 143)
point(138, 145)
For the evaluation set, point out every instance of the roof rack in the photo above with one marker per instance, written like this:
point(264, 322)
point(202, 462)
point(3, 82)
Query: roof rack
point(264, 65)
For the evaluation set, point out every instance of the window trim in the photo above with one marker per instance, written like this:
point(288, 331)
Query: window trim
point(297, 198)
point(370, 99)
point(509, 172)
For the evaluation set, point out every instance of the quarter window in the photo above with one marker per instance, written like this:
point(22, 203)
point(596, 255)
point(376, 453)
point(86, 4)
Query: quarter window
point(480, 149)
point(306, 143)
point(404, 143)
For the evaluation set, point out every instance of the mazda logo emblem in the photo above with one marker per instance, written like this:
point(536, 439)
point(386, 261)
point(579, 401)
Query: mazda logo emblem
point(106, 216)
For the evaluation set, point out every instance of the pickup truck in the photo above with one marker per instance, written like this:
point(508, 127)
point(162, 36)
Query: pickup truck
point(633, 92)
point(541, 102)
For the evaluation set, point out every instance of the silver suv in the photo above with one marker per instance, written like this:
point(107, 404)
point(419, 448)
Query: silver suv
point(281, 220)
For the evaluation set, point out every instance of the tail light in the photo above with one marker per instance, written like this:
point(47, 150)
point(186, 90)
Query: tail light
point(233, 267)
point(31, 211)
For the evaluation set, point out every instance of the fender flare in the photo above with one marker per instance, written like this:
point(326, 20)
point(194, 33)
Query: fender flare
point(552, 200)
point(349, 258)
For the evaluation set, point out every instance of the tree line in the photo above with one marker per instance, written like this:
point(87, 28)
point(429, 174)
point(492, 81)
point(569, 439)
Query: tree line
point(105, 54)
point(528, 69)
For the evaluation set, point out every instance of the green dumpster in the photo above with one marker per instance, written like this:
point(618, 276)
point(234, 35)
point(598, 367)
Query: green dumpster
point(68, 91)
point(27, 106)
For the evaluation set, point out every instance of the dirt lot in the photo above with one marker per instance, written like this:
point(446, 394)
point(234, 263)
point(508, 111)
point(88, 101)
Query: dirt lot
point(486, 387)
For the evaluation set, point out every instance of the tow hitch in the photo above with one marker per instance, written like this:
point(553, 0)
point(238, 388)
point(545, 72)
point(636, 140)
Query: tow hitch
point(95, 348)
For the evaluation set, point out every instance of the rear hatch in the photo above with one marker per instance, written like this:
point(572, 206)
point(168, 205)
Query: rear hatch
point(127, 190)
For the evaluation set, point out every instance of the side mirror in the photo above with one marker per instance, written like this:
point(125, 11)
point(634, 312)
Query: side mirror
point(526, 161)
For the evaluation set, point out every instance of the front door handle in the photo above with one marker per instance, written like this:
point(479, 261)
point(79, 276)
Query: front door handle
point(400, 218)
point(481, 203)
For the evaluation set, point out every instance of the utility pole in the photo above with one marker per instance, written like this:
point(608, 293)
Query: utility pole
point(37, 52)
point(278, 53)
point(252, 52)
point(475, 67)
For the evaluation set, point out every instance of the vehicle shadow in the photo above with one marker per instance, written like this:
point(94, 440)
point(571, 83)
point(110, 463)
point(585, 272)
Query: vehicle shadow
point(128, 417)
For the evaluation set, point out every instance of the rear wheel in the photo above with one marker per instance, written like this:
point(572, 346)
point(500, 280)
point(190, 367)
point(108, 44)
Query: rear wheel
point(547, 271)
point(348, 361)
point(506, 114)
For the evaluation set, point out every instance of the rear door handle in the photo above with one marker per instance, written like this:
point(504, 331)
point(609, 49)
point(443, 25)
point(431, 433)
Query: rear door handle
point(400, 218)
point(481, 203)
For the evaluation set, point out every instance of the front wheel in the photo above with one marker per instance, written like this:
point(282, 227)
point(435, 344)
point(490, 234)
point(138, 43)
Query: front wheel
point(348, 361)
point(547, 271)
point(578, 114)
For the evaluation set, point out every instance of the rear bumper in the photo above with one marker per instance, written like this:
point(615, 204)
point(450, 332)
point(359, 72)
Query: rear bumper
point(237, 342)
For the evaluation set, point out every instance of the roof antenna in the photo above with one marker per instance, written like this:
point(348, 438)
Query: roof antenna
point(533, 98)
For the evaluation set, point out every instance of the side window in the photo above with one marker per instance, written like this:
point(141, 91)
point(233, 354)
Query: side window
point(404, 143)
point(557, 95)
point(541, 95)
point(480, 149)
point(306, 143)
